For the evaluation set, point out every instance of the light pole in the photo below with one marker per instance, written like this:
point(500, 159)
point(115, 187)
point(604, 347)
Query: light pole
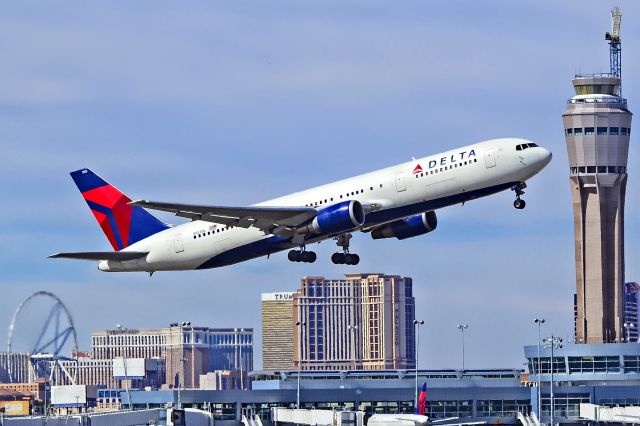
point(627, 325)
point(553, 343)
point(180, 378)
point(416, 328)
point(124, 362)
point(240, 360)
point(539, 321)
point(462, 328)
point(354, 338)
point(299, 324)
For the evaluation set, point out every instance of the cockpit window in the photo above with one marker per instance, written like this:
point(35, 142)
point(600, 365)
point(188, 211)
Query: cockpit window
point(524, 146)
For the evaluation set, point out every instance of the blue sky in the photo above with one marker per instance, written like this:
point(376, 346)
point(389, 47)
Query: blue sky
point(235, 102)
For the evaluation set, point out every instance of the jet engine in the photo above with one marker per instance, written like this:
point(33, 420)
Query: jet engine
point(411, 226)
point(340, 217)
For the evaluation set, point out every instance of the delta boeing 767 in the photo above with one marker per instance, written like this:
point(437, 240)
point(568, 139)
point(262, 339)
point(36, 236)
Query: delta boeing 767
point(396, 202)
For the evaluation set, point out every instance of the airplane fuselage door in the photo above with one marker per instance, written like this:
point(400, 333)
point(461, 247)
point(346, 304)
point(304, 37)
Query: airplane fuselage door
point(400, 183)
point(490, 158)
point(177, 244)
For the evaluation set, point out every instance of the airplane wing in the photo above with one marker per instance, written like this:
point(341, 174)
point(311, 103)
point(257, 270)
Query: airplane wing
point(101, 255)
point(270, 220)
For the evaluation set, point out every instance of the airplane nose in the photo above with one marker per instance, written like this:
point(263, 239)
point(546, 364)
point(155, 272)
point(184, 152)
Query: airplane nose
point(545, 156)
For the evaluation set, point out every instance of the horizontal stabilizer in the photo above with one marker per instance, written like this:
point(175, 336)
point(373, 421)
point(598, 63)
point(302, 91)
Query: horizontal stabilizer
point(101, 255)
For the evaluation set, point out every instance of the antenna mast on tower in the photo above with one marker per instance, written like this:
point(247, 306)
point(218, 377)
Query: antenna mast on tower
point(615, 47)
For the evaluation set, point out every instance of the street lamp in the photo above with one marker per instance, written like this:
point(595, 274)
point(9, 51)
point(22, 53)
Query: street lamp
point(553, 343)
point(354, 338)
point(180, 379)
point(239, 340)
point(462, 328)
point(300, 324)
point(627, 325)
point(539, 321)
point(416, 327)
point(124, 362)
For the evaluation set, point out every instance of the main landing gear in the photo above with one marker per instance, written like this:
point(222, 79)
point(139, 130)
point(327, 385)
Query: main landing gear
point(519, 203)
point(302, 255)
point(345, 257)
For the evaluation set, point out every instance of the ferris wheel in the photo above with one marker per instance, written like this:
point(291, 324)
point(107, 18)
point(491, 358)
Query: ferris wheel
point(42, 330)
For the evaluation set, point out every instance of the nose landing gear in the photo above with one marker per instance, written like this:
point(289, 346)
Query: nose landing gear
point(302, 255)
point(519, 190)
point(345, 257)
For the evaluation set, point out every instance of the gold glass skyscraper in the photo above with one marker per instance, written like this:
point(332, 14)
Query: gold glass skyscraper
point(363, 321)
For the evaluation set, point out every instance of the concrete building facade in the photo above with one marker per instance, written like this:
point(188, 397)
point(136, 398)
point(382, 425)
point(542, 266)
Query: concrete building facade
point(20, 366)
point(631, 311)
point(187, 351)
point(364, 321)
point(597, 127)
point(277, 326)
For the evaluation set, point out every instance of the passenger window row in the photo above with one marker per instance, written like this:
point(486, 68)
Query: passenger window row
point(330, 199)
point(598, 169)
point(442, 169)
point(601, 131)
point(524, 146)
point(212, 231)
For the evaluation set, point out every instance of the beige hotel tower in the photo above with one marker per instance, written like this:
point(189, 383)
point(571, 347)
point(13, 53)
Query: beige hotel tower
point(597, 127)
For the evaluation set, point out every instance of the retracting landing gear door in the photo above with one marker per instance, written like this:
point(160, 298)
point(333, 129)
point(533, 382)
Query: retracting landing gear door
point(490, 158)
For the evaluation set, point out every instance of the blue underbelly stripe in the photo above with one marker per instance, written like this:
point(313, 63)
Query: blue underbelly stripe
point(275, 244)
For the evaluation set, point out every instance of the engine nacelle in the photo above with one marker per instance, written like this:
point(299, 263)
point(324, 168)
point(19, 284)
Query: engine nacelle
point(411, 226)
point(340, 217)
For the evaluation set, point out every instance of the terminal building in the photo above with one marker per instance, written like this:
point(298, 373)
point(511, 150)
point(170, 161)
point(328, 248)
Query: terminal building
point(607, 375)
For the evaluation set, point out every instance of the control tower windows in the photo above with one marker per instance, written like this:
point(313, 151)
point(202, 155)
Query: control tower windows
point(623, 130)
point(598, 169)
point(612, 131)
point(577, 131)
point(602, 130)
point(589, 130)
point(569, 132)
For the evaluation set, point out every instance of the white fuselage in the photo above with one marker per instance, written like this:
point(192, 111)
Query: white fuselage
point(392, 193)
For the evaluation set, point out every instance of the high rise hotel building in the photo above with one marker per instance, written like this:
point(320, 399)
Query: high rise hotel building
point(364, 321)
point(277, 326)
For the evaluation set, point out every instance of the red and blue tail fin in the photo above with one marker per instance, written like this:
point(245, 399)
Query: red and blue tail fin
point(122, 223)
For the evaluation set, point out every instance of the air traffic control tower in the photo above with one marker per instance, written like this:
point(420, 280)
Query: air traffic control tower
point(597, 127)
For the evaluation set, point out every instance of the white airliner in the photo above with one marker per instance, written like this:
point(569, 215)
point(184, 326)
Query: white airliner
point(398, 201)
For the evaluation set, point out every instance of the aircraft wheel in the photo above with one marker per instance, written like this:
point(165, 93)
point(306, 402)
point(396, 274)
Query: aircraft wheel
point(349, 258)
point(294, 256)
point(337, 258)
point(355, 260)
point(519, 204)
point(308, 256)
